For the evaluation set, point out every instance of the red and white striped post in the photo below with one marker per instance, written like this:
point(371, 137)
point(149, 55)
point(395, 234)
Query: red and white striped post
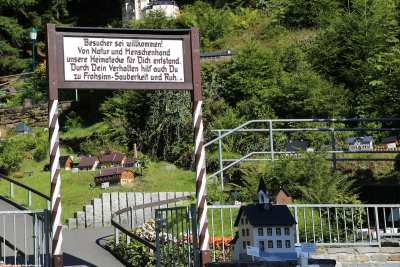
point(55, 178)
point(200, 155)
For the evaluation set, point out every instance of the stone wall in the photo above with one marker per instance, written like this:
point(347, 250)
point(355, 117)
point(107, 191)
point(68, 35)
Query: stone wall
point(35, 116)
point(98, 213)
point(360, 256)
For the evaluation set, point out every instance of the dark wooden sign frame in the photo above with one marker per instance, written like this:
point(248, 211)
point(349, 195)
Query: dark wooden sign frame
point(192, 82)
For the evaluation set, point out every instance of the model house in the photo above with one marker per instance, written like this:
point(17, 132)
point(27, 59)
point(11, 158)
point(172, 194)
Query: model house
point(137, 9)
point(363, 143)
point(88, 163)
point(114, 176)
point(269, 227)
point(391, 143)
point(130, 163)
point(282, 197)
point(22, 128)
point(66, 162)
point(112, 159)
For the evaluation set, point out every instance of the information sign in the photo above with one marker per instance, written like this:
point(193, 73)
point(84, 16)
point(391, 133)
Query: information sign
point(123, 59)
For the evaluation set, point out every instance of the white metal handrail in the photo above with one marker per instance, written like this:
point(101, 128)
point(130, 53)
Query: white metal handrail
point(337, 225)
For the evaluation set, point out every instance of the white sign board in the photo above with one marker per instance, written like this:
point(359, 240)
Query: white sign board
point(253, 251)
point(123, 60)
point(105, 185)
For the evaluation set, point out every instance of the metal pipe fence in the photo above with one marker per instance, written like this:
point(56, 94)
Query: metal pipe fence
point(334, 225)
point(265, 148)
point(165, 230)
point(29, 193)
point(176, 237)
point(24, 238)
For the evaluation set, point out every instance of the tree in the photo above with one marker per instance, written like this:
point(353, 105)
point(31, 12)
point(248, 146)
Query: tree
point(344, 49)
point(11, 156)
point(16, 20)
point(311, 179)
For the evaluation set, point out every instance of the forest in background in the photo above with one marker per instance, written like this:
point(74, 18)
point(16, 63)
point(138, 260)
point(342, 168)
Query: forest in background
point(292, 59)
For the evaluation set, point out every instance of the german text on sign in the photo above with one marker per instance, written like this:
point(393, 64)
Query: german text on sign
point(124, 60)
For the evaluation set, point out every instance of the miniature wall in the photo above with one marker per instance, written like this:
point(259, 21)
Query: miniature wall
point(35, 116)
point(98, 213)
point(360, 256)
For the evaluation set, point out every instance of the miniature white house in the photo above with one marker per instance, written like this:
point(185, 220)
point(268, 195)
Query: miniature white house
point(269, 227)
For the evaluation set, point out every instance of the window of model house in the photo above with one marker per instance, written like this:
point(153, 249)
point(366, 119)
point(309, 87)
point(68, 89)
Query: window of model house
point(270, 244)
point(269, 231)
point(260, 231)
point(279, 243)
point(287, 231)
point(287, 243)
point(278, 231)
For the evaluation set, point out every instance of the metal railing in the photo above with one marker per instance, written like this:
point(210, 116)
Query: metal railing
point(271, 153)
point(125, 221)
point(176, 237)
point(334, 225)
point(24, 238)
point(29, 192)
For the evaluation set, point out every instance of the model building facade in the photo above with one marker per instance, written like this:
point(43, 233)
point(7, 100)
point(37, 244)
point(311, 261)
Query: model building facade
point(269, 227)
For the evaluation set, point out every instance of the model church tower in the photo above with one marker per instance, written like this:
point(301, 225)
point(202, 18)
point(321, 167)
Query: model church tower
point(270, 228)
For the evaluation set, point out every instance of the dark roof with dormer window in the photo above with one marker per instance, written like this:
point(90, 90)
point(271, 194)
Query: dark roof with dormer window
point(262, 215)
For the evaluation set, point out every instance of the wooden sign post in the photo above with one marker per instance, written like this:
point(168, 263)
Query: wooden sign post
point(98, 58)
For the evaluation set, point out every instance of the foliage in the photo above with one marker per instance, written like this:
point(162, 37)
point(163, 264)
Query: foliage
point(134, 253)
point(159, 122)
point(10, 156)
point(73, 120)
point(16, 20)
point(22, 146)
point(300, 13)
point(349, 50)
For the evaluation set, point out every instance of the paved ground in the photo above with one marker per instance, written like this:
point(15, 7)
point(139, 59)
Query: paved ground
point(80, 247)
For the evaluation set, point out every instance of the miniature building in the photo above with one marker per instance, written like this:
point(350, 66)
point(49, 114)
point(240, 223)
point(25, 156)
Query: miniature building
point(136, 9)
point(296, 146)
point(283, 197)
point(269, 227)
point(22, 128)
point(66, 162)
point(391, 143)
point(112, 159)
point(114, 176)
point(130, 163)
point(88, 163)
point(364, 143)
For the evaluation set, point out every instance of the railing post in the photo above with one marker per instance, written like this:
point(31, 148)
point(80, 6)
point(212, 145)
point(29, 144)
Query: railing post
point(196, 251)
point(296, 217)
point(333, 145)
point(116, 235)
point(47, 236)
point(221, 165)
point(378, 235)
point(11, 190)
point(29, 198)
point(271, 141)
point(158, 247)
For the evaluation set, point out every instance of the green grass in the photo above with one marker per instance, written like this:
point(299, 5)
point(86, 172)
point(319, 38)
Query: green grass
point(83, 131)
point(76, 190)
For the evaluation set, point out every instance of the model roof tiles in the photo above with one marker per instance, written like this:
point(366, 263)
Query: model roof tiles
point(87, 161)
point(362, 140)
point(261, 215)
point(111, 172)
point(112, 157)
